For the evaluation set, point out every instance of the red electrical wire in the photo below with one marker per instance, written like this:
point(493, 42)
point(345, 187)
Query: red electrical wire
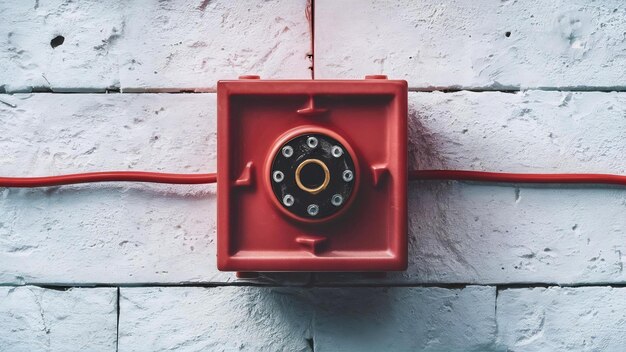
point(462, 175)
point(110, 176)
point(458, 175)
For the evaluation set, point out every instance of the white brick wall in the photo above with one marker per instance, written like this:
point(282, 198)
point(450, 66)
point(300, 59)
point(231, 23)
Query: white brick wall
point(562, 319)
point(297, 319)
point(149, 44)
point(474, 44)
point(540, 89)
point(38, 319)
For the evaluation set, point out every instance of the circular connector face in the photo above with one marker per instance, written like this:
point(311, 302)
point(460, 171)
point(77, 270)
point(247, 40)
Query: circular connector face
point(278, 176)
point(336, 151)
point(288, 200)
point(313, 209)
point(347, 175)
point(287, 151)
point(312, 183)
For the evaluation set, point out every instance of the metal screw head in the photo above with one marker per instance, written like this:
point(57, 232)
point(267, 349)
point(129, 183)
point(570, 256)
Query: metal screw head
point(313, 209)
point(336, 200)
point(336, 151)
point(288, 200)
point(287, 151)
point(347, 175)
point(278, 176)
point(312, 142)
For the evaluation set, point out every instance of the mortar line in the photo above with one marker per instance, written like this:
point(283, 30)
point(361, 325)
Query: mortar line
point(312, 14)
point(117, 336)
point(495, 314)
point(413, 90)
point(498, 286)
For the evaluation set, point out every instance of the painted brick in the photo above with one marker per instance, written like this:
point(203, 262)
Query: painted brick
point(139, 45)
point(562, 319)
point(194, 44)
point(38, 319)
point(105, 233)
point(214, 319)
point(476, 44)
point(292, 319)
point(405, 319)
point(85, 60)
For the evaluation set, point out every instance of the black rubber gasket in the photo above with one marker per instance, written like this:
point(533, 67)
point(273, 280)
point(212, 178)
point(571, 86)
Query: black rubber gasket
point(336, 166)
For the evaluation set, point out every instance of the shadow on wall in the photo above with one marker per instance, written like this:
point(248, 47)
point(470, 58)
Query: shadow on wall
point(353, 319)
point(429, 215)
point(388, 319)
point(335, 319)
point(423, 146)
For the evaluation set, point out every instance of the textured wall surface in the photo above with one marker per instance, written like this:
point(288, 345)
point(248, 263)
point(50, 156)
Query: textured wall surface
point(521, 86)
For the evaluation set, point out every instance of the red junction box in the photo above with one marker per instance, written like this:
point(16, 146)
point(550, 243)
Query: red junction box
point(312, 175)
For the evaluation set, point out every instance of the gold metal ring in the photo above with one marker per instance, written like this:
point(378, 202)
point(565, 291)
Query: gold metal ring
point(321, 187)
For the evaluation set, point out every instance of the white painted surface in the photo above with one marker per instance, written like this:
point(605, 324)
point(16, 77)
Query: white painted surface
point(405, 319)
point(283, 319)
point(37, 319)
point(213, 319)
point(28, 59)
point(149, 44)
point(516, 233)
point(562, 319)
point(458, 43)
point(196, 43)
point(108, 233)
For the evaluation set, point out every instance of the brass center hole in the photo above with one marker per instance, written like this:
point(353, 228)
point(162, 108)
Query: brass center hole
point(312, 176)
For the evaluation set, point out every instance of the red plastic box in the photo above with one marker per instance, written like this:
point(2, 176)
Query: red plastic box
point(312, 175)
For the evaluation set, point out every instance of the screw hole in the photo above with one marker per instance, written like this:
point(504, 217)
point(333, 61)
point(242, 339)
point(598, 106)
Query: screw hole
point(507, 34)
point(56, 41)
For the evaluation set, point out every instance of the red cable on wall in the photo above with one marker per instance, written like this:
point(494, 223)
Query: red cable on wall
point(458, 175)
point(111, 176)
point(462, 175)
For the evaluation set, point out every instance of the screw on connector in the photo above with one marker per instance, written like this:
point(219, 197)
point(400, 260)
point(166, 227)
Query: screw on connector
point(347, 175)
point(313, 209)
point(278, 176)
point(336, 200)
point(288, 200)
point(312, 142)
point(336, 151)
point(287, 151)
